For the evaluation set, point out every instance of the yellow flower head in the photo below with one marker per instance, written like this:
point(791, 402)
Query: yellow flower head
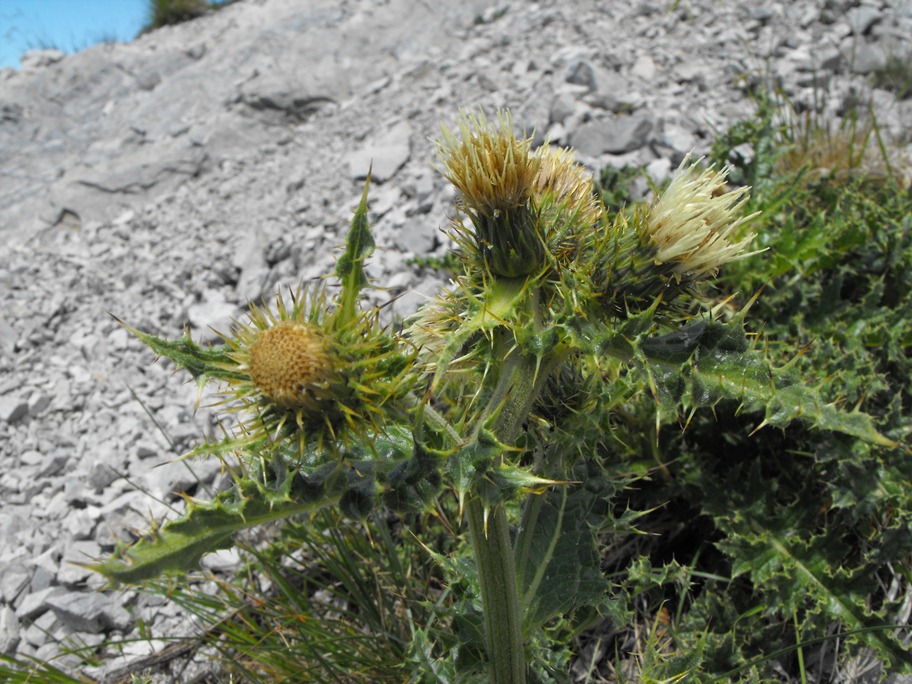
point(307, 382)
point(695, 223)
point(492, 169)
point(290, 365)
point(566, 185)
point(494, 173)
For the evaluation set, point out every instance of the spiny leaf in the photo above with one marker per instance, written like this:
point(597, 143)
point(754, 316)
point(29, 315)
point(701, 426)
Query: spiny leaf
point(203, 363)
point(177, 547)
point(558, 563)
point(350, 266)
point(833, 587)
point(706, 361)
point(352, 483)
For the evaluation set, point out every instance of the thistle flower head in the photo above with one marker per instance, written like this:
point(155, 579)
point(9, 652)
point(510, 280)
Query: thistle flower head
point(290, 365)
point(565, 184)
point(304, 381)
point(494, 172)
point(492, 169)
point(693, 223)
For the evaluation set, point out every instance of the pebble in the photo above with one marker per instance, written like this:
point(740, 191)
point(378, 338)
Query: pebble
point(13, 409)
point(9, 630)
point(209, 163)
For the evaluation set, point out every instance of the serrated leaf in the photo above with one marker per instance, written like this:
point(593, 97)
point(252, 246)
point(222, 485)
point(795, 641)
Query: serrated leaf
point(177, 547)
point(767, 548)
point(350, 266)
point(203, 363)
point(353, 483)
point(721, 363)
point(558, 563)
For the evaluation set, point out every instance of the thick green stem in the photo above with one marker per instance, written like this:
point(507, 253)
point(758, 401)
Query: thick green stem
point(499, 593)
point(517, 387)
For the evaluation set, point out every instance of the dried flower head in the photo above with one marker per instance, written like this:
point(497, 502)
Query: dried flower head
point(492, 169)
point(291, 366)
point(694, 221)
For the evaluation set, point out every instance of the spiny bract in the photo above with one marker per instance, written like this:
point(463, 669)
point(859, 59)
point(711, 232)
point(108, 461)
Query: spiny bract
point(306, 379)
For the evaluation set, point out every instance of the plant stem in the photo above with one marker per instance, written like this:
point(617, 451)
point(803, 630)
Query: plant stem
point(517, 387)
point(499, 594)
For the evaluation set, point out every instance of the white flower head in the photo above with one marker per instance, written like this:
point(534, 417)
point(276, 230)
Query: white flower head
point(694, 225)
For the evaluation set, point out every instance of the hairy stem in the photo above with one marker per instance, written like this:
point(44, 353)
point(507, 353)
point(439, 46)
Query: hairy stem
point(518, 385)
point(499, 594)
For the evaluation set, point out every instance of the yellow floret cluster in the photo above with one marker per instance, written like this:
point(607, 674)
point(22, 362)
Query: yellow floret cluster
point(290, 365)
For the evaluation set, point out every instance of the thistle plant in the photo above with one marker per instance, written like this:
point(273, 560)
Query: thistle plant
point(500, 394)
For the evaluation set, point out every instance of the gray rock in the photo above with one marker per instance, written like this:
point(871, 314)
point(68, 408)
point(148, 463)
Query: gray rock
point(867, 58)
point(290, 94)
point(72, 573)
point(612, 136)
point(644, 68)
point(760, 13)
point(659, 170)
point(222, 561)
point(42, 579)
point(210, 316)
point(49, 559)
point(583, 73)
point(606, 89)
point(562, 107)
point(14, 578)
point(54, 463)
point(12, 409)
point(9, 631)
point(32, 458)
point(101, 475)
point(38, 402)
point(89, 612)
point(39, 59)
point(8, 337)
point(81, 523)
point(172, 478)
point(36, 603)
point(40, 631)
point(250, 259)
point(383, 155)
point(418, 235)
point(862, 18)
point(676, 140)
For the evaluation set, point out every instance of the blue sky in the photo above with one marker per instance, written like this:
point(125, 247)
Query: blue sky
point(69, 25)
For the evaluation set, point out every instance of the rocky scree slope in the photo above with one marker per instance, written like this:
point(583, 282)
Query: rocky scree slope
point(171, 180)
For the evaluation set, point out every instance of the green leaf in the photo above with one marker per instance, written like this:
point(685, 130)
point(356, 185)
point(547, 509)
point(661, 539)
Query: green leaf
point(708, 360)
point(177, 547)
point(771, 549)
point(557, 561)
point(352, 483)
point(350, 266)
point(203, 363)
